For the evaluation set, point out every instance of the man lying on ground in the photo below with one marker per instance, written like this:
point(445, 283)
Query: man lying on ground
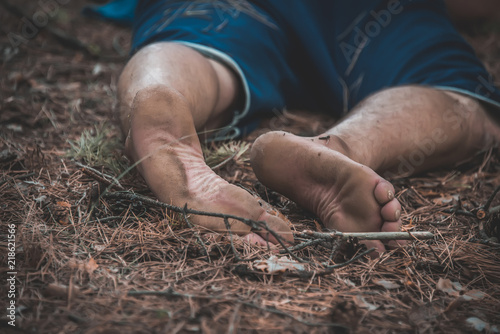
point(409, 92)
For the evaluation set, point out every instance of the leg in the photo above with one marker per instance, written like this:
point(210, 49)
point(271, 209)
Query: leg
point(166, 93)
point(334, 174)
point(463, 10)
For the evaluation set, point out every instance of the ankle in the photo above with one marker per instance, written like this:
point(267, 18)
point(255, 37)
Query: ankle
point(161, 111)
point(160, 105)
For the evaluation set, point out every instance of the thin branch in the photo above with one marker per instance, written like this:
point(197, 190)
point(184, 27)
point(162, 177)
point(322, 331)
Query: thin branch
point(435, 255)
point(196, 234)
point(482, 232)
point(367, 235)
point(460, 212)
point(228, 227)
point(486, 206)
point(335, 246)
point(101, 177)
point(232, 322)
point(303, 245)
point(259, 225)
point(256, 225)
point(104, 219)
point(18, 177)
point(343, 264)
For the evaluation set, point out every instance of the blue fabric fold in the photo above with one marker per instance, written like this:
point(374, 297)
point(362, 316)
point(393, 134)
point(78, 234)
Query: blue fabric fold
point(117, 11)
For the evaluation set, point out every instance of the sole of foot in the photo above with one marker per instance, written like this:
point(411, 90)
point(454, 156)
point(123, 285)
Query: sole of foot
point(345, 195)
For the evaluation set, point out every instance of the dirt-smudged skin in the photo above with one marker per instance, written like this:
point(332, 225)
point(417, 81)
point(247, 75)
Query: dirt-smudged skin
point(346, 195)
point(163, 105)
point(174, 168)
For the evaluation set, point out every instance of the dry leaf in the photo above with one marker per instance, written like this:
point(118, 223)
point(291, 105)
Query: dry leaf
point(468, 296)
point(361, 302)
point(276, 264)
point(99, 248)
point(64, 204)
point(348, 282)
point(445, 199)
point(449, 287)
point(91, 266)
point(480, 325)
point(386, 284)
point(473, 295)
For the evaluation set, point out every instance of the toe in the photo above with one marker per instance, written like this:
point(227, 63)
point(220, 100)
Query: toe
point(255, 239)
point(277, 225)
point(384, 192)
point(396, 244)
point(391, 211)
point(391, 226)
point(379, 247)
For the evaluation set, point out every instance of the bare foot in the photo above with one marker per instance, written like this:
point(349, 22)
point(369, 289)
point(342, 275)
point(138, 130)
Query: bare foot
point(346, 195)
point(172, 163)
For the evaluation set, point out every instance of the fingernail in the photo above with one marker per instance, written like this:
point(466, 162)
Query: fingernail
point(390, 195)
point(397, 214)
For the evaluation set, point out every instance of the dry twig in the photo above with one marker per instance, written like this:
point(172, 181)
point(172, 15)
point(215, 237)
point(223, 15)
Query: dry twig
point(367, 235)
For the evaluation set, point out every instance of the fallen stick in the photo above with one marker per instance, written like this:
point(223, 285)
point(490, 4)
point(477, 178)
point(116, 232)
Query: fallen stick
point(368, 235)
point(255, 225)
point(109, 180)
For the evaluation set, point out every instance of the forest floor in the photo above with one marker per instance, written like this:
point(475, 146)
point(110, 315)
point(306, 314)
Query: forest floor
point(93, 256)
